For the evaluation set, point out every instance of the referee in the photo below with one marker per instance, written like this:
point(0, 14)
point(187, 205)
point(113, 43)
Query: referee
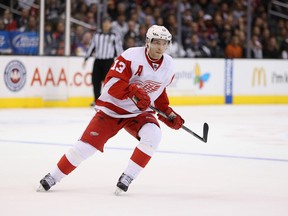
point(105, 45)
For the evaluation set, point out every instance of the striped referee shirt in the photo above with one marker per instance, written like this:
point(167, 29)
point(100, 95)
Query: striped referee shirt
point(105, 46)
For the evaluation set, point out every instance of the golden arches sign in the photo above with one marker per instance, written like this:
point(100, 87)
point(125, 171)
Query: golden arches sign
point(259, 76)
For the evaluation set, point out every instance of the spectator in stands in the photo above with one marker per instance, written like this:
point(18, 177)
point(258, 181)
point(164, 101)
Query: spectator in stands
point(256, 48)
point(141, 38)
point(76, 37)
point(89, 2)
point(90, 19)
point(226, 37)
point(93, 9)
point(151, 5)
point(159, 21)
point(187, 33)
point(241, 24)
point(282, 35)
point(212, 7)
point(8, 20)
point(59, 38)
point(49, 48)
point(121, 9)
point(54, 10)
point(31, 26)
point(156, 14)
point(60, 48)
point(284, 51)
point(208, 30)
point(242, 40)
point(81, 11)
point(224, 9)
point(129, 42)
point(149, 21)
point(195, 7)
point(218, 23)
point(233, 49)
point(140, 14)
point(279, 30)
point(83, 46)
point(271, 49)
point(148, 16)
point(22, 21)
point(120, 26)
point(132, 30)
point(265, 37)
point(186, 17)
point(111, 9)
point(238, 10)
point(216, 50)
point(133, 16)
point(171, 21)
point(196, 49)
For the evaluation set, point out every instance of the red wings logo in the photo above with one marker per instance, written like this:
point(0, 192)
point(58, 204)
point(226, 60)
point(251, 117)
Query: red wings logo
point(149, 85)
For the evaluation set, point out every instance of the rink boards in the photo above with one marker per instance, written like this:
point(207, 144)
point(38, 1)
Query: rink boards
point(27, 81)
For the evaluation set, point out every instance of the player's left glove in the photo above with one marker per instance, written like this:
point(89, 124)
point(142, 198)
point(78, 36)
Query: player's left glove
point(139, 96)
point(175, 121)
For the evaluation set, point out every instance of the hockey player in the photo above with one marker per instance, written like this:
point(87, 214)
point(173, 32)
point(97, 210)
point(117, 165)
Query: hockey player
point(137, 79)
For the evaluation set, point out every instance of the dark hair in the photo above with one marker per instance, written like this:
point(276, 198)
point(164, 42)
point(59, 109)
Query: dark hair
point(106, 18)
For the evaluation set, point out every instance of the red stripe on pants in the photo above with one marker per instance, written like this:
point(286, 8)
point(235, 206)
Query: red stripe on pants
point(65, 166)
point(140, 158)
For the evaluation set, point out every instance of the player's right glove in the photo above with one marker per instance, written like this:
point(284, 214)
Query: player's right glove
point(139, 97)
point(174, 120)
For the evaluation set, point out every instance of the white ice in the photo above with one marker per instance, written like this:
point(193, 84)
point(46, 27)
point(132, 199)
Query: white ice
point(241, 171)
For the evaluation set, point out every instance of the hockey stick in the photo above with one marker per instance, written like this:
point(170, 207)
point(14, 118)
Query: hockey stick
point(205, 126)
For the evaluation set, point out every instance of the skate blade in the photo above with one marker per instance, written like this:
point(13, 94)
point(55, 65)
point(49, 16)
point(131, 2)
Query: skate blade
point(118, 191)
point(40, 189)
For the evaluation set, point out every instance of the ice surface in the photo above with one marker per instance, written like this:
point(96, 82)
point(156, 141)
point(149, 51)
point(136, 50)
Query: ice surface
point(242, 170)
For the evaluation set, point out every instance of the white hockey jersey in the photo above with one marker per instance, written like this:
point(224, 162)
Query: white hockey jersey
point(133, 66)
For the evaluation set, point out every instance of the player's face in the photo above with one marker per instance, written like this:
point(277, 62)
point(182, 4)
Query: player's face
point(157, 48)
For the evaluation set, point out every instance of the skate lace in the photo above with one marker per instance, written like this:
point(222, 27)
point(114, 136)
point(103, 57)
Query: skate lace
point(125, 179)
point(50, 180)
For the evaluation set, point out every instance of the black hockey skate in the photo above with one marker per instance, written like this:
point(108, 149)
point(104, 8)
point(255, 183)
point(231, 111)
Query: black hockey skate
point(123, 183)
point(46, 183)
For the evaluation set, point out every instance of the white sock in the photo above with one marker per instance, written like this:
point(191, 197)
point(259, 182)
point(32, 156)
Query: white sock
point(57, 174)
point(133, 169)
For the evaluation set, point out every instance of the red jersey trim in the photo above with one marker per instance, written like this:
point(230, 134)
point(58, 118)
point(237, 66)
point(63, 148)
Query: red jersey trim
point(151, 62)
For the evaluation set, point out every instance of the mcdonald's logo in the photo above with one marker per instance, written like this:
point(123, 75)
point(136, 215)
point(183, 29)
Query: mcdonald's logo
point(259, 77)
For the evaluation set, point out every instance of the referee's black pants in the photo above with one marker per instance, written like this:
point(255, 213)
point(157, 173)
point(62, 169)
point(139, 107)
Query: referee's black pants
point(100, 69)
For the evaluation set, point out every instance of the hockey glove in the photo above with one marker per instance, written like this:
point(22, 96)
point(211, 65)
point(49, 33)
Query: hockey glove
point(139, 97)
point(174, 120)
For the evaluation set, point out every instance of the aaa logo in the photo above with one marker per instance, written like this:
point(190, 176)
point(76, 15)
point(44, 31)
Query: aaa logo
point(200, 79)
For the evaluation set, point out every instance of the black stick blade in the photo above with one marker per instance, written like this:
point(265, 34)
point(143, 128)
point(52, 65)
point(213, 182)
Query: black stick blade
point(205, 132)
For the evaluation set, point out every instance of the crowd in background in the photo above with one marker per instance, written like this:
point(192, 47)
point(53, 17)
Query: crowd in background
point(210, 28)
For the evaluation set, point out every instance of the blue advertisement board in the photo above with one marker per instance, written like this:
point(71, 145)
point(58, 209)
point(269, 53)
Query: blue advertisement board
point(21, 43)
point(5, 46)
